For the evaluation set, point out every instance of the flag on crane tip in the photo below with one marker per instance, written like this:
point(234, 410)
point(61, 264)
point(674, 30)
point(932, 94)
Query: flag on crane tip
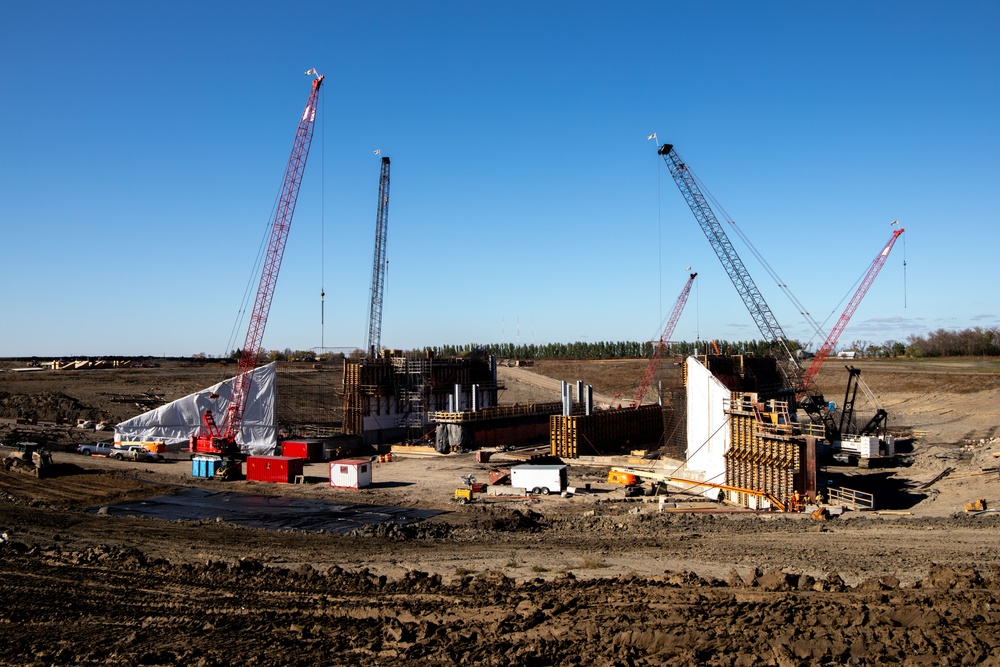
point(894, 222)
point(652, 136)
point(378, 151)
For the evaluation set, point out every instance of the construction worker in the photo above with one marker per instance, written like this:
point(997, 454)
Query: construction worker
point(795, 504)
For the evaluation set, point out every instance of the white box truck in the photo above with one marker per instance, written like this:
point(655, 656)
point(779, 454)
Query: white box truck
point(539, 479)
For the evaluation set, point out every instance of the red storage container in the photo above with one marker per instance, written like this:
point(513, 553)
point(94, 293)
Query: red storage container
point(310, 450)
point(280, 469)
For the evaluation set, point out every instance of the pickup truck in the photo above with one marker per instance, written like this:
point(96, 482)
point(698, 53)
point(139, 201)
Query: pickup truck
point(134, 453)
point(99, 448)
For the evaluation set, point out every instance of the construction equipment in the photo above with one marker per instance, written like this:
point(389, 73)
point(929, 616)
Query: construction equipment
point(661, 345)
point(466, 494)
point(623, 478)
point(801, 381)
point(731, 262)
point(845, 317)
point(221, 439)
point(663, 477)
point(379, 263)
point(875, 425)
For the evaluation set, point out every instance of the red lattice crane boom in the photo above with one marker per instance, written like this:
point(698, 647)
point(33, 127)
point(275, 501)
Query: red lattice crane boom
point(838, 328)
point(661, 345)
point(214, 438)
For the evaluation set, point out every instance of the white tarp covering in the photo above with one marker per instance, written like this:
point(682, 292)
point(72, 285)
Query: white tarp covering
point(178, 421)
point(707, 427)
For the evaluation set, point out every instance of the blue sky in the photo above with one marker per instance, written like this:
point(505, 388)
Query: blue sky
point(143, 146)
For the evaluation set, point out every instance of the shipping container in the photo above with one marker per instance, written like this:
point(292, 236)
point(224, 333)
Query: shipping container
point(310, 450)
point(351, 473)
point(280, 469)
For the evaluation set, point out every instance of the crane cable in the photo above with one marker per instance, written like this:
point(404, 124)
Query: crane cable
point(904, 271)
point(322, 224)
point(254, 272)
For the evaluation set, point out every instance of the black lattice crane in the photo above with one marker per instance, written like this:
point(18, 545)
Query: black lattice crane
point(379, 264)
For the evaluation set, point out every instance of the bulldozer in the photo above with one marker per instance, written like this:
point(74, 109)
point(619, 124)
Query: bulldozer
point(30, 458)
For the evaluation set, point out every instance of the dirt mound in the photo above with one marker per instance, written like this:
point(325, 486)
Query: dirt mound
point(47, 406)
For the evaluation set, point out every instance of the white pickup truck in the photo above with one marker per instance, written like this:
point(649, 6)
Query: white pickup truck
point(134, 453)
point(92, 448)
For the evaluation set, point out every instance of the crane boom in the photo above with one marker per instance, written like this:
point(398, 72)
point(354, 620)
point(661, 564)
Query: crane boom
point(731, 262)
point(374, 333)
point(838, 328)
point(661, 345)
point(223, 438)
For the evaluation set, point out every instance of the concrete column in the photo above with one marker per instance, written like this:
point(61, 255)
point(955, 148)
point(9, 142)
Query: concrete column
point(579, 391)
point(475, 397)
point(590, 399)
point(458, 398)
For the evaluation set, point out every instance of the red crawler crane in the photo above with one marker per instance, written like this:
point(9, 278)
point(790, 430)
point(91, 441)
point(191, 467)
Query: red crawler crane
point(222, 440)
point(838, 328)
point(661, 345)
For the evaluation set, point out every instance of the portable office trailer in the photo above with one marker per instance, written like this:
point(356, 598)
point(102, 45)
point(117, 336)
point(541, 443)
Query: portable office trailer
point(539, 479)
point(280, 469)
point(351, 473)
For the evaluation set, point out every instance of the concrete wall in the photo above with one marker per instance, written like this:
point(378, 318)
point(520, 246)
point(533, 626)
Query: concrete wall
point(707, 427)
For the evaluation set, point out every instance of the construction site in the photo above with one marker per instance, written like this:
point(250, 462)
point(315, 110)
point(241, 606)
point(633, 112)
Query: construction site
point(401, 507)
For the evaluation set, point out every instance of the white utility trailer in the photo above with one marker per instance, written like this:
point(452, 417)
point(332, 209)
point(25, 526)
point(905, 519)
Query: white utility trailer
point(539, 479)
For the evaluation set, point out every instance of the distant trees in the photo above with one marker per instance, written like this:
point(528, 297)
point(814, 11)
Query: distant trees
point(967, 342)
point(602, 349)
point(941, 343)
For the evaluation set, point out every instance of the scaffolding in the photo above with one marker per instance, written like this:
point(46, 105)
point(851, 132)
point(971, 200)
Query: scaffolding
point(396, 395)
point(768, 451)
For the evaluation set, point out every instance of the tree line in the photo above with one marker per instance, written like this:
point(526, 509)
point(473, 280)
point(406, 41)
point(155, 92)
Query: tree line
point(976, 341)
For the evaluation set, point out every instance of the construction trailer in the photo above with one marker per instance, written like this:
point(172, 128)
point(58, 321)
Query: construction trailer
point(539, 479)
point(351, 473)
point(389, 398)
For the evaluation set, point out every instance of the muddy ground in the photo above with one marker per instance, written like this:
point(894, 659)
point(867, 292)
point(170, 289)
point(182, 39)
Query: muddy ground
point(589, 580)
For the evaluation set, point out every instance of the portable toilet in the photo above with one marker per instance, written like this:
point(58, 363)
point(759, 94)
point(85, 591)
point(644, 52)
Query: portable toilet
point(350, 473)
point(205, 466)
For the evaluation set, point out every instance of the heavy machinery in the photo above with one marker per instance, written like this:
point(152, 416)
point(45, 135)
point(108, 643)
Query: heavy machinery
point(637, 474)
point(845, 317)
point(661, 345)
point(379, 264)
point(221, 438)
point(875, 425)
point(800, 380)
point(731, 262)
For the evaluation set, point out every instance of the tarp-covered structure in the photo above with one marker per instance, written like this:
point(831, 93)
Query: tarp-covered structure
point(177, 421)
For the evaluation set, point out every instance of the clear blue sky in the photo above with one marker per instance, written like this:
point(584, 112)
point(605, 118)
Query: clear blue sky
point(143, 145)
